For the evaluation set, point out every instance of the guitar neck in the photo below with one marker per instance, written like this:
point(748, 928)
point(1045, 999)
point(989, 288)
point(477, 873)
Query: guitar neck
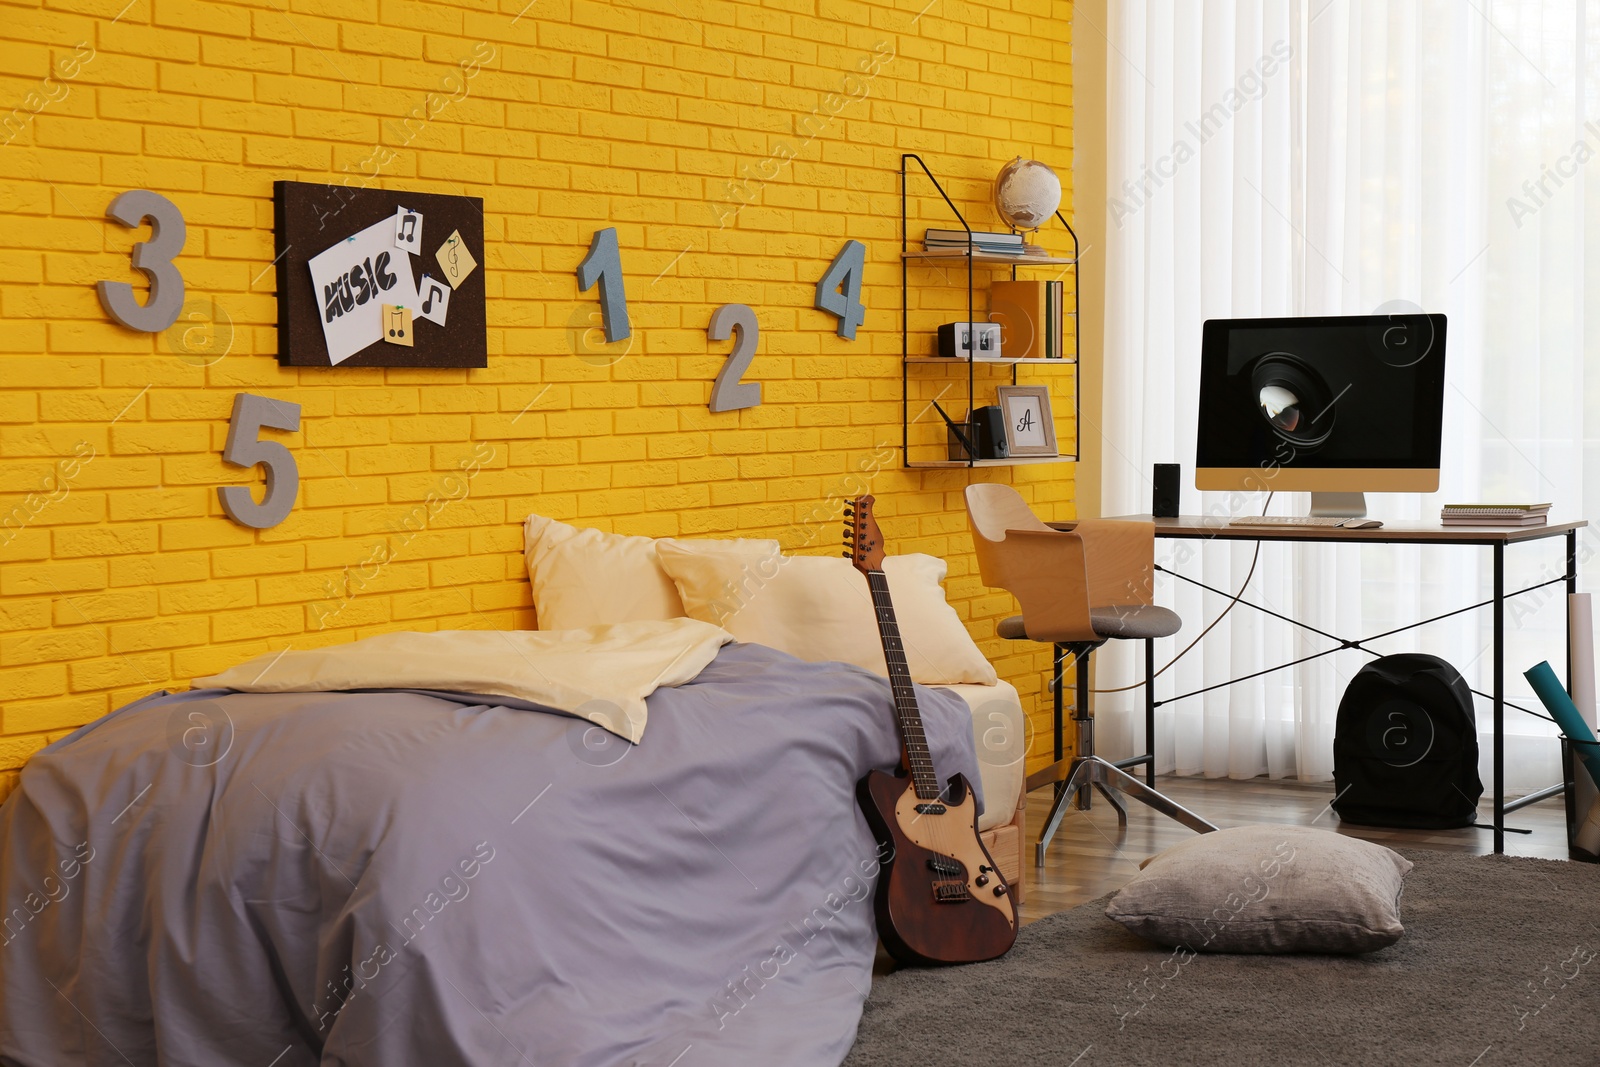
point(915, 756)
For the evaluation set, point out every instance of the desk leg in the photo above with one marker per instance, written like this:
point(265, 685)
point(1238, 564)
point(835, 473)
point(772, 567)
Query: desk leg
point(1060, 653)
point(1499, 697)
point(1150, 711)
point(1572, 587)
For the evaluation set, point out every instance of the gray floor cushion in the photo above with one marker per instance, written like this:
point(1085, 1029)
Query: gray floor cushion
point(1267, 889)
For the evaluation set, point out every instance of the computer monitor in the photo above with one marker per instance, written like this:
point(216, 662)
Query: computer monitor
point(1336, 406)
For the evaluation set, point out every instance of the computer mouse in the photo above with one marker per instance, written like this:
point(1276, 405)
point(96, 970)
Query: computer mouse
point(1361, 524)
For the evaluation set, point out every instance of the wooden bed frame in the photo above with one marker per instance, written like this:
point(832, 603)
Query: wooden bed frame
point(1008, 845)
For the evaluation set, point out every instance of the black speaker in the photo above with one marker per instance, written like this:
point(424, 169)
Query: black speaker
point(989, 433)
point(1164, 501)
point(984, 428)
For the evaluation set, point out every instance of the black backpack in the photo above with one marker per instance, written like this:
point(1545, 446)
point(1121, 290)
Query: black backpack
point(1405, 747)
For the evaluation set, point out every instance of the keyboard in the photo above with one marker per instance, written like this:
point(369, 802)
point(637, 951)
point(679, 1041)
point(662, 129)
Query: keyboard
point(1290, 520)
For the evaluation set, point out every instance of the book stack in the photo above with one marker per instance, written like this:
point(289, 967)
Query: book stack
point(988, 241)
point(1031, 314)
point(1495, 514)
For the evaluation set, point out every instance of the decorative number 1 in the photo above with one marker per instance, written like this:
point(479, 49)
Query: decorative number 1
point(844, 273)
point(603, 264)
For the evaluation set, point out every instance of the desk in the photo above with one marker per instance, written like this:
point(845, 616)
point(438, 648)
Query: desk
point(1495, 538)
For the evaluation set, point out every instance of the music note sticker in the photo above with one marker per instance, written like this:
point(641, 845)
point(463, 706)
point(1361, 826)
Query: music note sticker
point(435, 297)
point(397, 325)
point(455, 260)
point(408, 230)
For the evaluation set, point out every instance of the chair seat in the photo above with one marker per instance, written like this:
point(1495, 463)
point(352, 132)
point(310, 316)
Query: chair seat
point(1128, 621)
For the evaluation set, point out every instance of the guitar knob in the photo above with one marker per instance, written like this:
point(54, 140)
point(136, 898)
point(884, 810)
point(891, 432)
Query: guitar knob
point(982, 880)
point(1000, 890)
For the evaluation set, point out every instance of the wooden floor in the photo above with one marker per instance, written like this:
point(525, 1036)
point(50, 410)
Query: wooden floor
point(1089, 858)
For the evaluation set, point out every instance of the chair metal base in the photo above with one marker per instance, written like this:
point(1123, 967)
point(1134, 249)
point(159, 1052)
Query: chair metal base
point(1086, 772)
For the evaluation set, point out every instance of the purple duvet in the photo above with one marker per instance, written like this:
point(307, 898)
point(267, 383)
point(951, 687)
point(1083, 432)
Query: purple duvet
point(394, 878)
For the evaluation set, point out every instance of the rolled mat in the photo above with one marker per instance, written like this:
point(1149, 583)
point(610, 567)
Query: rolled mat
point(1584, 747)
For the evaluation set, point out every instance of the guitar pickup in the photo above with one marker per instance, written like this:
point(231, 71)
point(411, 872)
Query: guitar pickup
point(930, 809)
point(945, 865)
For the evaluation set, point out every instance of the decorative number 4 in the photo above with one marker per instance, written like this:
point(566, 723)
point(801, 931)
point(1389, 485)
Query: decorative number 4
point(603, 264)
point(839, 288)
point(728, 393)
point(167, 236)
point(244, 448)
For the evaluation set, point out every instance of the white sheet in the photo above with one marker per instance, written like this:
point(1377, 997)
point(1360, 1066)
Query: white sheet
point(602, 673)
point(1000, 734)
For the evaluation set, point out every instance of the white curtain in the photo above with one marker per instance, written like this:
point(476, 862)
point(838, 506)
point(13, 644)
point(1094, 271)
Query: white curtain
point(1332, 157)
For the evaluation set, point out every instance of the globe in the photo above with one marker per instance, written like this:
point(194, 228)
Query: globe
point(1026, 193)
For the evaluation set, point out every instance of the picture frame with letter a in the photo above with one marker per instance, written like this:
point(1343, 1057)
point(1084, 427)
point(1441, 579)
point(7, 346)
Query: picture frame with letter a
point(1030, 427)
point(379, 277)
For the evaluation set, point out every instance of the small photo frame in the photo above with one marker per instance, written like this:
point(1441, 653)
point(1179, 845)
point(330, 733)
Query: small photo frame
point(1030, 428)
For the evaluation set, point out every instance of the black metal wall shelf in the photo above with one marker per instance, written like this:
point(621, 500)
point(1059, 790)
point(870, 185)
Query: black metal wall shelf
point(973, 260)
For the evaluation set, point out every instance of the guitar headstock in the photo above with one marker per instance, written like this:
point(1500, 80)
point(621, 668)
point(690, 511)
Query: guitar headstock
point(863, 541)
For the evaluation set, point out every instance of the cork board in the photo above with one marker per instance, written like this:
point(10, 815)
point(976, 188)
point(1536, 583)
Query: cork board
point(312, 219)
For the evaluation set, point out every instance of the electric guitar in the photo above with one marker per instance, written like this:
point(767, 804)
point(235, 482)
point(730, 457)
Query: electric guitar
point(940, 897)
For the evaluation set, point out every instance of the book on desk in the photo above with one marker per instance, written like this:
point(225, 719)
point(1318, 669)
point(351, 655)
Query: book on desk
point(1495, 514)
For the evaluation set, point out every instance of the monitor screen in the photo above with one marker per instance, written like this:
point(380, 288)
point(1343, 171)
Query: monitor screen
point(1346, 403)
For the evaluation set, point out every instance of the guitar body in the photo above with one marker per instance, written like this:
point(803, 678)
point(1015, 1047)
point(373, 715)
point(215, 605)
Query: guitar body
point(940, 898)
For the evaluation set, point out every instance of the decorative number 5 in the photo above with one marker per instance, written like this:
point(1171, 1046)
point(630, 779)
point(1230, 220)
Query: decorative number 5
point(154, 257)
point(844, 272)
point(603, 264)
point(728, 393)
point(245, 449)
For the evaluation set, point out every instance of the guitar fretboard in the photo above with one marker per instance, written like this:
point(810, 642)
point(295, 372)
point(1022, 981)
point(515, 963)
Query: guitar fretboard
point(916, 757)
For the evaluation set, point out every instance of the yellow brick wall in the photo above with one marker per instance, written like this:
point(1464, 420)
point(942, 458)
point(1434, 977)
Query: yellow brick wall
point(660, 117)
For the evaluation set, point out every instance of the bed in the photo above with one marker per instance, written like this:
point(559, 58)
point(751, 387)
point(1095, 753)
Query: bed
point(397, 876)
point(625, 843)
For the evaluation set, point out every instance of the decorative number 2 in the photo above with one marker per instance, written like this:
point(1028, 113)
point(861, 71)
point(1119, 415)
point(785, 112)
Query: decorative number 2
point(728, 393)
point(844, 273)
point(154, 257)
point(603, 264)
point(244, 448)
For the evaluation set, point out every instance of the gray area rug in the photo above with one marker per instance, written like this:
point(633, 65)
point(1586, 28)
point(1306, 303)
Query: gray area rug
point(1500, 964)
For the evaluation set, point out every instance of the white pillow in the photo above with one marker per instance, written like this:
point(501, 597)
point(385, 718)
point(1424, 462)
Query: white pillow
point(584, 578)
point(820, 609)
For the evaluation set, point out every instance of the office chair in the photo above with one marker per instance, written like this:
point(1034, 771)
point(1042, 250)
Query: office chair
point(1077, 589)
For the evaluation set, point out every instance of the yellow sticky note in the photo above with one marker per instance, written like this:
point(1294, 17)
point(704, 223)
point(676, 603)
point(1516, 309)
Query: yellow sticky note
point(455, 260)
point(397, 324)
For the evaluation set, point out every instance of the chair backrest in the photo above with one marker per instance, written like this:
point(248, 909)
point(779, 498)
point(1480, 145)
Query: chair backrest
point(996, 508)
point(1057, 576)
point(992, 509)
point(1048, 582)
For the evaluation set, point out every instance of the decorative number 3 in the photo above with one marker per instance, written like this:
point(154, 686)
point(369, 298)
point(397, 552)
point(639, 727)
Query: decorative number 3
point(839, 288)
point(154, 257)
point(244, 448)
point(728, 393)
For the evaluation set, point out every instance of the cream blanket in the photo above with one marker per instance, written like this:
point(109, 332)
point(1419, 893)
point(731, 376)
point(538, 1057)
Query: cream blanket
point(602, 673)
